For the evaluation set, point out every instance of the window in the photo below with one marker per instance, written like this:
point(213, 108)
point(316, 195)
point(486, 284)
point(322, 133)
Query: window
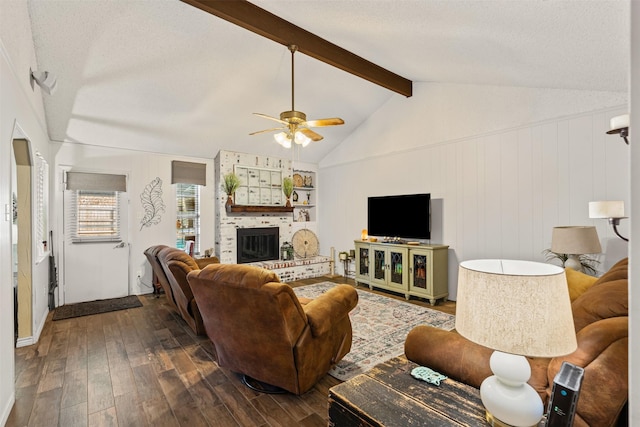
point(97, 216)
point(188, 218)
point(94, 211)
point(188, 177)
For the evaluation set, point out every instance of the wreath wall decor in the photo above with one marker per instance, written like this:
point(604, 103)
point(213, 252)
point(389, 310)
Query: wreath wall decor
point(152, 203)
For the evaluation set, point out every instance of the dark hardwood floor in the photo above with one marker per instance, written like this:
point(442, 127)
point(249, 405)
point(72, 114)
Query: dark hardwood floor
point(144, 366)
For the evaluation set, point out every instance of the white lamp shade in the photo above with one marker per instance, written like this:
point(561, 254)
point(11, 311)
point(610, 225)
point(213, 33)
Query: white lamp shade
point(575, 240)
point(606, 209)
point(518, 307)
point(619, 122)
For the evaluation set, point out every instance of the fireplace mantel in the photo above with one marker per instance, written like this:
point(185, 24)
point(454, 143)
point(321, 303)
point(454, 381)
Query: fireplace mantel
point(257, 209)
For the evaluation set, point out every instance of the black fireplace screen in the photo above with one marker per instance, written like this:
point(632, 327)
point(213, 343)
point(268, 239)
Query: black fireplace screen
point(257, 244)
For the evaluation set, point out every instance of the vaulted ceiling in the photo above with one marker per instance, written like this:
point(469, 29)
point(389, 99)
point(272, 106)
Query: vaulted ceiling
point(164, 76)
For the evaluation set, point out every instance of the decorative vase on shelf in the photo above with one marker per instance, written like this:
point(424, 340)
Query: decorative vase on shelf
point(287, 188)
point(230, 183)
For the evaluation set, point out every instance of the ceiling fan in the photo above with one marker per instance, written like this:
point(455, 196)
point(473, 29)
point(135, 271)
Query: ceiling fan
point(295, 126)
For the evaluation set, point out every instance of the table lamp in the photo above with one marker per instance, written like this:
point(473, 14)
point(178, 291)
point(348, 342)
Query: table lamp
point(518, 309)
point(575, 241)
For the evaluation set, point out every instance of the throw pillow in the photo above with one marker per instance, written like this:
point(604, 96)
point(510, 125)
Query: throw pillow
point(578, 282)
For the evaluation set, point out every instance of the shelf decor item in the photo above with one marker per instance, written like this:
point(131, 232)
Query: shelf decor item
point(287, 189)
point(230, 184)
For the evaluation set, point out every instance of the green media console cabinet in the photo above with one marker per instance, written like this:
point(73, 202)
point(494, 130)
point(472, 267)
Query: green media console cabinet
point(411, 269)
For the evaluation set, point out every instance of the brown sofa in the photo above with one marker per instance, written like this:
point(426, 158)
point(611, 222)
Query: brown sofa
point(171, 266)
point(260, 329)
point(601, 321)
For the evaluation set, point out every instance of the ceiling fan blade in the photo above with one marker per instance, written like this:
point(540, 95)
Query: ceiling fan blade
point(264, 116)
point(310, 134)
point(266, 130)
point(325, 122)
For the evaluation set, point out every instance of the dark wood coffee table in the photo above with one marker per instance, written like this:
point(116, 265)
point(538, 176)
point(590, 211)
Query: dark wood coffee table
point(388, 395)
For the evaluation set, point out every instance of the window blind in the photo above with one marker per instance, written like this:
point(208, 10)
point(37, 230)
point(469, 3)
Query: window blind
point(42, 204)
point(94, 216)
point(188, 173)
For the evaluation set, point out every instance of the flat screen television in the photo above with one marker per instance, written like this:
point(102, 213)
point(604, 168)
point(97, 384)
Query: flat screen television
point(404, 216)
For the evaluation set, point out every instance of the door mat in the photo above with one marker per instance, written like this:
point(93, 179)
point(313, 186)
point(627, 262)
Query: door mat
point(380, 326)
point(96, 307)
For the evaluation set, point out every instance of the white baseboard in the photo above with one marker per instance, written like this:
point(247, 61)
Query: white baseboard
point(25, 341)
point(6, 411)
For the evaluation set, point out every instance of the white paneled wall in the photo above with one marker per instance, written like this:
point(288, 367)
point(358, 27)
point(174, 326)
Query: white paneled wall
point(500, 194)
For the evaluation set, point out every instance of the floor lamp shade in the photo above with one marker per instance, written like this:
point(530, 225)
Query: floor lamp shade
point(518, 308)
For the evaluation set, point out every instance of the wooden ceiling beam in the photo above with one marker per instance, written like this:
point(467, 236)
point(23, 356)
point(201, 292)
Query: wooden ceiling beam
point(266, 24)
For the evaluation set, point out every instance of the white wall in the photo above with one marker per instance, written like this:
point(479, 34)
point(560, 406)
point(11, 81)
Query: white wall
point(21, 106)
point(634, 265)
point(141, 168)
point(503, 166)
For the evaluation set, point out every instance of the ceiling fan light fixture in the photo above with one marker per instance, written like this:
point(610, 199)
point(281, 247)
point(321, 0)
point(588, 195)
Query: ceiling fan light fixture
point(294, 123)
point(283, 139)
point(301, 139)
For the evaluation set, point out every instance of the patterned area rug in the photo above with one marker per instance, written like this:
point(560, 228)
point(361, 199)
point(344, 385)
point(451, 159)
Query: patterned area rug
point(95, 307)
point(380, 326)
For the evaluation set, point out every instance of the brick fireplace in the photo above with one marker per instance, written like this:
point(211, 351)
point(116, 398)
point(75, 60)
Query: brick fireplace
point(229, 225)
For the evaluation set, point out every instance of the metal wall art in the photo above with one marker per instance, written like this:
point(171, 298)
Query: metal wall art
point(152, 203)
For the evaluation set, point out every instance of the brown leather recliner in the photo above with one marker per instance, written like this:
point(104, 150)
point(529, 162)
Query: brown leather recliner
point(601, 316)
point(152, 256)
point(175, 264)
point(260, 329)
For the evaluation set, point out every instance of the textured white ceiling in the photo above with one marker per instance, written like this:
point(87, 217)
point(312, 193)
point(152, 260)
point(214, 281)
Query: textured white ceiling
point(161, 75)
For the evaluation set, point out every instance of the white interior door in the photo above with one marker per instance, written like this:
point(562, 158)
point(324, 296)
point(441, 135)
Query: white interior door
point(95, 269)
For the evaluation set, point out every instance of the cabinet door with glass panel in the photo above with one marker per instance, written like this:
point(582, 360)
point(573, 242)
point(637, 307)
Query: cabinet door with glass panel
point(388, 269)
point(428, 273)
point(362, 262)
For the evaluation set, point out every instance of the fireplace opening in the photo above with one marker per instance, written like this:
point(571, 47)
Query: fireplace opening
point(257, 244)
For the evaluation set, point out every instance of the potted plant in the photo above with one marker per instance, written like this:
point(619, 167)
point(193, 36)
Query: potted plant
point(230, 184)
point(287, 188)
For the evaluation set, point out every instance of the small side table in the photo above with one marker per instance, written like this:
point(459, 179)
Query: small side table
point(387, 395)
point(345, 266)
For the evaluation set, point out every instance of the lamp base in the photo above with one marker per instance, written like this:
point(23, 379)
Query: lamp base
point(506, 394)
point(494, 422)
point(573, 262)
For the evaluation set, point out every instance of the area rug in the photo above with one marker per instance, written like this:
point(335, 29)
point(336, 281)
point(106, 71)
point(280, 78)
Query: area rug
point(95, 307)
point(380, 326)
